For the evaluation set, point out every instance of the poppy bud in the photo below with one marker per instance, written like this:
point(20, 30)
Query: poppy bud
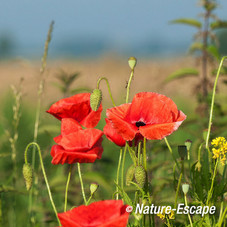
point(185, 188)
point(132, 62)
point(140, 176)
point(188, 144)
point(182, 151)
point(93, 188)
point(130, 174)
point(28, 175)
point(95, 99)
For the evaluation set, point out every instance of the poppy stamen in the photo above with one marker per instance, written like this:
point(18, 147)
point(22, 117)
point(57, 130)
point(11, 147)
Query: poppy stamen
point(140, 123)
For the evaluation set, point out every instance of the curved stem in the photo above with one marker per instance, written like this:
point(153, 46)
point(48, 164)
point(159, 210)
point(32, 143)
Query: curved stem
point(44, 174)
point(212, 101)
point(129, 84)
point(81, 183)
point(122, 168)
point(189, 217)
point(118, 171)
point(108, 86)
point(67, 187)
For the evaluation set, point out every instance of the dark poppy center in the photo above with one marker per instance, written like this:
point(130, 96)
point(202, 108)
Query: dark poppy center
point(140, 123)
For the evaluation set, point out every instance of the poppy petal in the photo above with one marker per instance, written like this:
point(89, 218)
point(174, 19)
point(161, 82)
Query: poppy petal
point(152, 108)
point(159, 131)
point(117, 117)
point(78, 108)
point(112, 134)
point(69, 125)
point(107, 213)
point(61, 156)
point(81, 140)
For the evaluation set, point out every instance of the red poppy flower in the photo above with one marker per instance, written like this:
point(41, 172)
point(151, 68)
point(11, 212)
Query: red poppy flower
point(152, 115)
point(112, 134)
point(76, 144)
point(107, 213)
point(78, 108)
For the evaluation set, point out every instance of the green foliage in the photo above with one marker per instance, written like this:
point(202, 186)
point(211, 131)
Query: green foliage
point(182, 73)
point(66, 80)
point(187, 21)
point(218, 24)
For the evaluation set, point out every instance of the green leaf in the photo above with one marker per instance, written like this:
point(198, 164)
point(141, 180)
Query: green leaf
point(187, 21)
point(195, 46)
point(182, 73)
point(79, 90)
point(213, 50)
point(218, 24)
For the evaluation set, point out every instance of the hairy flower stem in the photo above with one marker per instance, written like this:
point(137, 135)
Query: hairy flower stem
point(139, 154)
point(145, 154)
point(212, 101)
point(189, 217)
point(209, 196)
point(123, 167)
point(129, 84)
point(178, 188)
point(212, 108)
point(146, 183)
point(82, 184)
point(118, 171)
point(44, 174)
point(38, 108)
point(67, 187)
point(108, 86)
point(171, 152)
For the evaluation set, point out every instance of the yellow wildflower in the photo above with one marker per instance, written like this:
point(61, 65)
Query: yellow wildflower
point(164, 215)
point(220, 149)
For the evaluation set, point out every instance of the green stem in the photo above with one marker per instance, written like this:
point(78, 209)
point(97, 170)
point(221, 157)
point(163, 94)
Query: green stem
point(177, 192)
point(223, 217)
point(139, 152)
point(108, 86)
point(118, 171)
point(212, 184)
point(145, 154)
point(212, 101)
point(67, 187)
point(1, 222)
point(89, 199)
point(81, 183)
point(40, 91)
point(122, 168)
point(129, 84)
point(189, 217)
point(220, 213)
point(44, 174)
point(171, 152)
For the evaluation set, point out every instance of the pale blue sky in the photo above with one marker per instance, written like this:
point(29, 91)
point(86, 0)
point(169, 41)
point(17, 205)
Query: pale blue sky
point(122, 24)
